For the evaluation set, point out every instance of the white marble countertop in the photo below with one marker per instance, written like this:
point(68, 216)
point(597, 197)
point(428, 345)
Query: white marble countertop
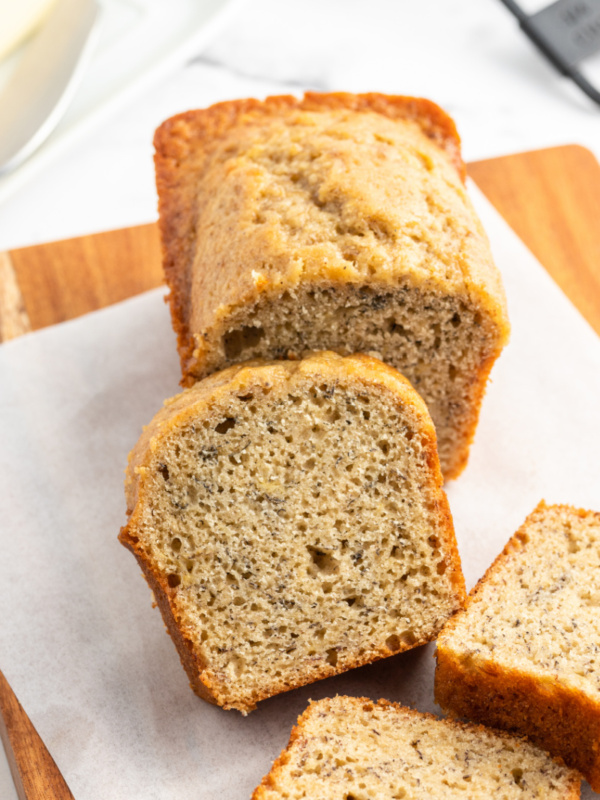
point(469, 57)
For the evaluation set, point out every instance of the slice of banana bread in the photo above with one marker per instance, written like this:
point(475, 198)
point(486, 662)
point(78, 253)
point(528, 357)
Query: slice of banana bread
point(337, 222)
point(525, 654)
point(290, 520)
point(349, 748)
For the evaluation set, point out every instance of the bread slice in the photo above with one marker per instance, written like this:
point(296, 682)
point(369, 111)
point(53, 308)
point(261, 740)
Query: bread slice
point(290, 520)
point(336, 222)
point(525, 655)
point(349, 748)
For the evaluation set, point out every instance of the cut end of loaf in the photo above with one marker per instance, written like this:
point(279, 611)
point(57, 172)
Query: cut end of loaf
point(293, 518)
point(445, 345)
point(346, 747)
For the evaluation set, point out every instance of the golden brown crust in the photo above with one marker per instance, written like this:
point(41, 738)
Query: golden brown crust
point(479, 386)
point(185, 143)
point(560, 718)
point(162, 593)
point(203, 399)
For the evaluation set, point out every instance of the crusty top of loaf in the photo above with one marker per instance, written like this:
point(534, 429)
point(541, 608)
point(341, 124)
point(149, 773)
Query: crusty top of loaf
point(328, 188)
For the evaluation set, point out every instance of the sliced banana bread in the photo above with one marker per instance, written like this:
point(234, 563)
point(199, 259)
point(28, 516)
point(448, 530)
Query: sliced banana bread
point(290, 520)
point(350, 748)
point(337, 222)
point(525, 655)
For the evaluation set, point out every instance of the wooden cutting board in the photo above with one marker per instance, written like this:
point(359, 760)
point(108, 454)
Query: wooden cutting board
point(551, 198)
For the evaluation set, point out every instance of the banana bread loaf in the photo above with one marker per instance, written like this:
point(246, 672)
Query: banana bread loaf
point(350, 748)
point(525, 655)
point(290, 520)
point(336, 222)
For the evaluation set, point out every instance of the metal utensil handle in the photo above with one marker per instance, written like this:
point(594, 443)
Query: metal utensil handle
point(565, 33)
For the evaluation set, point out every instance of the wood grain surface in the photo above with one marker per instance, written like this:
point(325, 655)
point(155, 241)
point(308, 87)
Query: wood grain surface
point(550, 197)
point(63, 280)
point(34, 771)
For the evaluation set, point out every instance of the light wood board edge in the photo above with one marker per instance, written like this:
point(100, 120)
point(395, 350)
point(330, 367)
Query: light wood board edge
point(14, 320)
point(551, 199)
point(34, 771)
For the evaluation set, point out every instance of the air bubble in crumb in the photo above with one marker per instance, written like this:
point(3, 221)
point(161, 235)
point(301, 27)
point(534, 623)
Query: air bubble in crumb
point(225, 426)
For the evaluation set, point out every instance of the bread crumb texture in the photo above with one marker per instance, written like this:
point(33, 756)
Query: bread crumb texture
point(290, 519)
point(349, 748)
point(339, 222)
point(525, 654)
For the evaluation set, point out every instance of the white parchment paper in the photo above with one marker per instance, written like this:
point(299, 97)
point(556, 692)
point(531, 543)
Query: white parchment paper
point(79, 641)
